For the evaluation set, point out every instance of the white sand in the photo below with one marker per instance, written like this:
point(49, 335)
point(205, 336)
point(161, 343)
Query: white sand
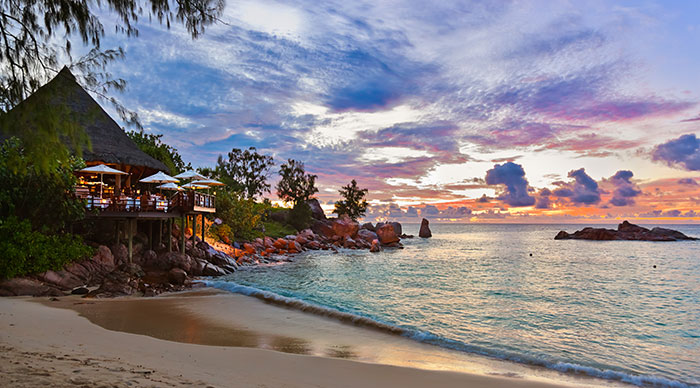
point(46, 346)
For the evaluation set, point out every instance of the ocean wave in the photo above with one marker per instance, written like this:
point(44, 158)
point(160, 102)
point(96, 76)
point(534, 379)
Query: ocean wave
point(432, 339)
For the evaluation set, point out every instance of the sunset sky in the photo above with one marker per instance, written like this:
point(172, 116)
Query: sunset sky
point(492, 111)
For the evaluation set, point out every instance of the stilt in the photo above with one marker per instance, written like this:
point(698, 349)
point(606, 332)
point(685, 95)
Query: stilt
point(194, 229)
point(182, 234)
point(150, 234)
point(130, 234)
point(159, 240)
point(203, 227)
point(169, 239)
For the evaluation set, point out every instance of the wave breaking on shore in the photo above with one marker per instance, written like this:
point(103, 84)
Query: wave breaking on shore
point(433, 339)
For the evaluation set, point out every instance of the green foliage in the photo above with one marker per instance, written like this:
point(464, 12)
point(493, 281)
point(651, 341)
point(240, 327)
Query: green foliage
point(275, 229)
point(245, 171)
point(26, 251)
point(300, 216)
point(154, 146)
point(36, 36)
point(242, 215)
point(29, 30)
point(223, 232)
point(296, 186)
point(43, 198)
point(353, 203)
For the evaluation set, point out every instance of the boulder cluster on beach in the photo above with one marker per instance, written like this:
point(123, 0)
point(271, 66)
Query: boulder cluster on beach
point(109, 273)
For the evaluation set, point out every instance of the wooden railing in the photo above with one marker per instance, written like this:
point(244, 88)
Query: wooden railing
point(193, 201)
point(186, 201)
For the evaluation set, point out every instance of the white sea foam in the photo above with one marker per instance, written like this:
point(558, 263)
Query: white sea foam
point(430, 338)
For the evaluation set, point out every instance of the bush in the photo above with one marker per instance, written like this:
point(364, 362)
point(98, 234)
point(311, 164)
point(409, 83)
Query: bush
point(223, 232)
point(26, 251)
point(243, 216)
point(275, 229)
point(44, 197)
point(300, 216)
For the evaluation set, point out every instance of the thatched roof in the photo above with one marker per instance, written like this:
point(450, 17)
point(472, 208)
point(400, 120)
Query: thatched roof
point(109, 142)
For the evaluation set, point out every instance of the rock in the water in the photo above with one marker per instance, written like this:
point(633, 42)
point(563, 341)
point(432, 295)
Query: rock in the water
point(316, 210)
point(397, 228)
point(625, 231)
point(367, 235)
point(387, 235)
point(376, 246)
point(425, 229)
point(345, 227)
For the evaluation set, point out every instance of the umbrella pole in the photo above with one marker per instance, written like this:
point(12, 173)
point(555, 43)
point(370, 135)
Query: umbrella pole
point(101, 176)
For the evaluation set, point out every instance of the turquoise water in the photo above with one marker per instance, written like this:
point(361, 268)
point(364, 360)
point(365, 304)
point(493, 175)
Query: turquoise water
point(599, 308)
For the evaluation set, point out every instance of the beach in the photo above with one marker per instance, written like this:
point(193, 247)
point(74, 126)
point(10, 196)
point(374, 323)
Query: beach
point(159, 342)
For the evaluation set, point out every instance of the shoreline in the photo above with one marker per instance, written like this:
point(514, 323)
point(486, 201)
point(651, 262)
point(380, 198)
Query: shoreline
point(215, 318)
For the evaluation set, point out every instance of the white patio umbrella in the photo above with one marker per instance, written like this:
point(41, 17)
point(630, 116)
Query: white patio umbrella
point(209, 183)
point(190, 174)
point(170, 186)
point(159, 177)
point(193, 186)
point(102, 169)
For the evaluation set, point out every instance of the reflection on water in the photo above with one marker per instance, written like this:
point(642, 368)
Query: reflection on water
point(624, 308)
point(167, 319)
point(341, 351)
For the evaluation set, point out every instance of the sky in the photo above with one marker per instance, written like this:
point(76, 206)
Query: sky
point(474, 111)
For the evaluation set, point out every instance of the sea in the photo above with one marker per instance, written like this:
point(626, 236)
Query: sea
point(619, 310)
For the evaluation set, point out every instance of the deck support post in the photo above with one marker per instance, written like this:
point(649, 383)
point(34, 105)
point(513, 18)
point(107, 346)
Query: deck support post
point(182, 234)
point(194, 229)
point(170, 235)
point(203, 223)
point(160, 233)
point(130, 233)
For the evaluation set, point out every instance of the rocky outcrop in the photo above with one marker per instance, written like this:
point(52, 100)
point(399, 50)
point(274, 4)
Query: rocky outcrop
point(368, 226)
point(367, 235)
point(345, 227)
point(387, 235)
point(395, 225)
point(625, 231)
point(27, 286)
point(316, 210)
point(425, 229)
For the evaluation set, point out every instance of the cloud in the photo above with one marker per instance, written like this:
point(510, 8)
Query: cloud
point(692, 119)
point(483, 199)
point(687, 181)
point(583, 190)
point(625, 190)
point(513, 177)
point(683, 152)
point(543, 200)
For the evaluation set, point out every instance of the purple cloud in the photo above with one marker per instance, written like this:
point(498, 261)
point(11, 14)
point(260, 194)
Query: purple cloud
point(583, 191)
point(687, 181)
point(625, 190)
point(543, 200)
point(513, 177)
point(683, 152)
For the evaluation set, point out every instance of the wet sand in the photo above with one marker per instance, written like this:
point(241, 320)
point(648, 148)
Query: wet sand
point(165, 335)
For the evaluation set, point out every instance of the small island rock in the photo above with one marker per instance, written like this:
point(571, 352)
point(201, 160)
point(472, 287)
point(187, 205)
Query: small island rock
point(425, 229)
point(625, 231)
